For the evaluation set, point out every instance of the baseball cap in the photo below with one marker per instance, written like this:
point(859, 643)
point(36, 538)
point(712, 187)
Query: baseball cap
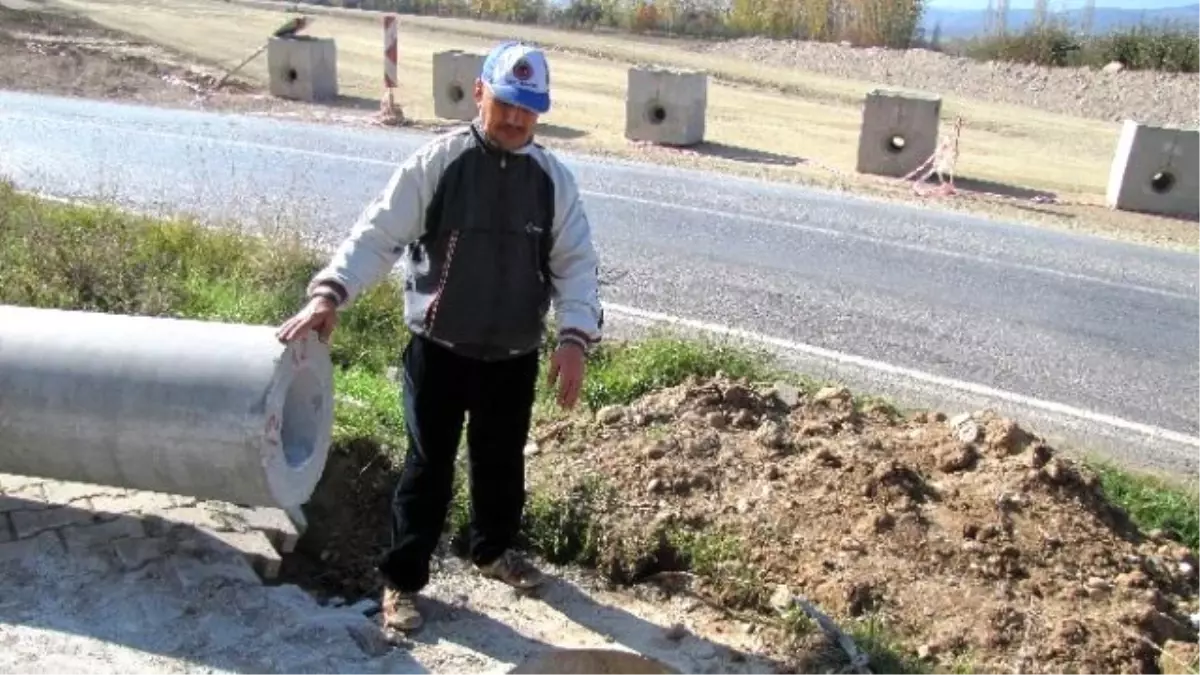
point(518, 74)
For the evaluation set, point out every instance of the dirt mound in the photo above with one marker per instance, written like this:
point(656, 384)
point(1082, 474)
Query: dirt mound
point(56, 52)
point(968, 538)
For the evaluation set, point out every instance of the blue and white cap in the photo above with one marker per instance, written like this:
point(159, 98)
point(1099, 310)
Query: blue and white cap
point(518, 74)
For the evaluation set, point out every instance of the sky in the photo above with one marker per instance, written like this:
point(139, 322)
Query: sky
point(1060, 4)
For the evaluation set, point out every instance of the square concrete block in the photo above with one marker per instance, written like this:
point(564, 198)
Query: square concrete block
point(1156, 170)
point(666, 106)
point(454, 75)
point(899, 132)
point(303, 68)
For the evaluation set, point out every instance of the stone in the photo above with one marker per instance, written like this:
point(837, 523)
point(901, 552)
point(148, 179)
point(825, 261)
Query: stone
point(666, 106)
point(134, 553)
point(28, 523)
point(827, 394)
point(782, 598)
point(82, 537)
point(302, 68)
point(454, 75)
point(787, 394)
point(274, 523)
point(1155, 170)
point(899, 132)
point(29, 549)
point(610, 414)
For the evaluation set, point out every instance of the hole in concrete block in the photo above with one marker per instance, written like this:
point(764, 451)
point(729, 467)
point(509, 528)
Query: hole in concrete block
point(292, 75)
point(302, 406)
point(895, 144)
point(455, 93)
point(1162, 182)
point(656, 113)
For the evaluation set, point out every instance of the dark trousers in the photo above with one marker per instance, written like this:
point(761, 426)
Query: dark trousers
point(440, 389)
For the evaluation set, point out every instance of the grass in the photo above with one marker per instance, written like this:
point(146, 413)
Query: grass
point(747, 104)
point(99, 259)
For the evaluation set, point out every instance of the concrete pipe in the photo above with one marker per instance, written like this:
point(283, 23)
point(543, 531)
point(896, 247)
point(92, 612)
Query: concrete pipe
point(210, 410)
point(571, 661)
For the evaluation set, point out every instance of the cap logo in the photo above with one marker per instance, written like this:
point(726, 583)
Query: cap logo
point(522, 70)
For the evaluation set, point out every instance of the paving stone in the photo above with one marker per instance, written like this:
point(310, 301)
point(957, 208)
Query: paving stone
point(67, 492)
point(274, 523)
point(160, 521)
point(257, 548)
point(192, 572)
point(134, 553)
point(28, 549)
point(6, 532)
point(133, 501)
point(29, 523)
point(11, 482)
point(85, 536)
point(27, 497)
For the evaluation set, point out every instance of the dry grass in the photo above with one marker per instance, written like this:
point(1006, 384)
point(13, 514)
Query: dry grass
point(750, 109)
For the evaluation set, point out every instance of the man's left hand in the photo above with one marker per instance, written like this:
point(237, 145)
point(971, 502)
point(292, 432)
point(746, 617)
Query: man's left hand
point(567, 366)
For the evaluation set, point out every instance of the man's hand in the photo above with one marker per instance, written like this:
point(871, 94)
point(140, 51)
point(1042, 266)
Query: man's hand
point(567, 366)
point(320, 314)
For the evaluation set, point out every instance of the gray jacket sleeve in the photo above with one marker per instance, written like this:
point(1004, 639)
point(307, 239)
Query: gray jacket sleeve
point(391, 221)
point(574, 265)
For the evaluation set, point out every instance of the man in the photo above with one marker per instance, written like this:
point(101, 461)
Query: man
point(491, 229)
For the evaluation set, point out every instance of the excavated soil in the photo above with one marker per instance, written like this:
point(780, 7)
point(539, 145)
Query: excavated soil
point(970, 539)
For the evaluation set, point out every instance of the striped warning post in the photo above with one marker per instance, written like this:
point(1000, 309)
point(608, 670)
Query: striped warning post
point(390, 38)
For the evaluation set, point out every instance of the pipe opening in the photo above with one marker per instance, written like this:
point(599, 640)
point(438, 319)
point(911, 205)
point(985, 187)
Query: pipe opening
point(455, 93)
point(1162, 182)
point(302, 406)
point(656, 113)
point(895, 144)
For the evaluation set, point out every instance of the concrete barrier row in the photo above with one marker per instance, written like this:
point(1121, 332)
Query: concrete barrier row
point(1154, 170)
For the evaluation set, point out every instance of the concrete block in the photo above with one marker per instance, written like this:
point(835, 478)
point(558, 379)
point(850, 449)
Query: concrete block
point(1156, 170)
point(28, 523)
point(666, 106)
point(303, 68)
point(454, 75)
point(899, 132)
point(85, 536)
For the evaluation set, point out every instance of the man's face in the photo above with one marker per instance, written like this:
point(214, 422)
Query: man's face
point(509, 126)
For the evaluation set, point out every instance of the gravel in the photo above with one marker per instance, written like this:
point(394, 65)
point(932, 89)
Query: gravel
point(1149, 97)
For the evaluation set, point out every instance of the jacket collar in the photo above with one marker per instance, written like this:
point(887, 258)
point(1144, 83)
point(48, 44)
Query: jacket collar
point(490, 146)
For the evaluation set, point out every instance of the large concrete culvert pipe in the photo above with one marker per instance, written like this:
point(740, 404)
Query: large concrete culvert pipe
point(205, 409)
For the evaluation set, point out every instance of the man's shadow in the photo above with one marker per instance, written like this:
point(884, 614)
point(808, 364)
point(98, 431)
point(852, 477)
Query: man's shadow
point(469, 628)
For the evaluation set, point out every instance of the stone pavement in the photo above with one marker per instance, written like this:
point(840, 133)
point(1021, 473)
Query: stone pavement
point(97, 578)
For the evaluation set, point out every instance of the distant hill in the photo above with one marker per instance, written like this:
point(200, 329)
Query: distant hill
point(960, 23)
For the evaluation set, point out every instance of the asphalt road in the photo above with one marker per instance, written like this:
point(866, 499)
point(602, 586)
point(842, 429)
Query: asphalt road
point(1104, 327)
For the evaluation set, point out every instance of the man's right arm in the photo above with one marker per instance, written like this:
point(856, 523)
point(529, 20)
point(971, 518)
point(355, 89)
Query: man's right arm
point(394, 219)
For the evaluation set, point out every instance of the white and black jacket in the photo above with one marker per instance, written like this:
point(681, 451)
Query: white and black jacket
point(488, 239)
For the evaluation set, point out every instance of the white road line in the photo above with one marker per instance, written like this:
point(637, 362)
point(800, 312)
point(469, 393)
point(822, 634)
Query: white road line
point(920, 376)
point(759, 220)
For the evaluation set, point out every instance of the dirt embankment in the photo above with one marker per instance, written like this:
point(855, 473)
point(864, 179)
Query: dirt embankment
point(1145, 96)
point(972, 542)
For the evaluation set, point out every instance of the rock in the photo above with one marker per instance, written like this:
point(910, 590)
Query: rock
point(772, 472)
point(717, 419)
point(770, 434)
point(1039, 454)
point(831, 394)
point(1179, 658)
point(675, 632)
point(782, 599)
point(787, 394)
point(1113, 67)
point(1134, 579)
point(924, 652)
point(745, 419)
point(610, 415)
point(655, 485)
point(531, 449)
point(739, 397)
point(967, 432)
point(958, 458)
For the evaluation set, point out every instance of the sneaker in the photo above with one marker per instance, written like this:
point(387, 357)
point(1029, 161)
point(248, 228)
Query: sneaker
point(513, 569)
point(399, 610)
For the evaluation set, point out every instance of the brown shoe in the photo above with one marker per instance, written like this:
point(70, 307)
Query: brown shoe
point(513, 569)
point(399, 610)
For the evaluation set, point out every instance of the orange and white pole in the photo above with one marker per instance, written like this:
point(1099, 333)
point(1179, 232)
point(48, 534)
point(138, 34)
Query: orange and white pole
point(390, 38)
